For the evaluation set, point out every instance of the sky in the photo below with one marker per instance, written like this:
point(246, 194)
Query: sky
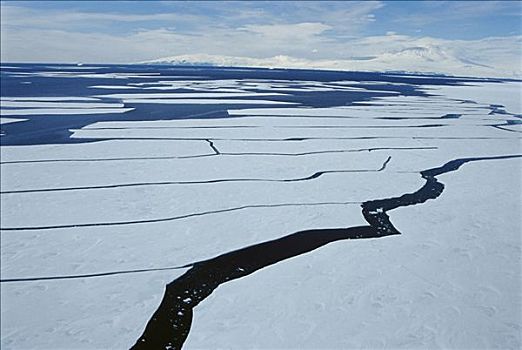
point(486, 33)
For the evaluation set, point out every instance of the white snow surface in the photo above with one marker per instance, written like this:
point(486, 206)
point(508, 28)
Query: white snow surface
point(41, 104)
point(245, 86)
point(507, 94)
point(10, 120)
point(49, 98)
point(61, 111)
point(58, 106)
point(205, 101)
point(451, 280)
point(188, 95)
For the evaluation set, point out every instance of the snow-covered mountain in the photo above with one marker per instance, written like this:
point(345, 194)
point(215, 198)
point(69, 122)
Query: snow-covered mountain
point(415, 59)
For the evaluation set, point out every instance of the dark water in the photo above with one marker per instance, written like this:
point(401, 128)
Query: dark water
point(451, 116)
point(54, 129)
point(170, 325)
point(508, 122)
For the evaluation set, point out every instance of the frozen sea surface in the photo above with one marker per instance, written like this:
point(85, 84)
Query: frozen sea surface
point(119, 180)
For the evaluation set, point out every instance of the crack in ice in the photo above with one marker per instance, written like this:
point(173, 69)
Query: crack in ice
point(167, 183)
point(173, 218)
point(371, 149)
point(170, 324)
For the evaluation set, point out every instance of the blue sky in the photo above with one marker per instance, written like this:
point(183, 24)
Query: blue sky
point(130, 31)
point(441, 19)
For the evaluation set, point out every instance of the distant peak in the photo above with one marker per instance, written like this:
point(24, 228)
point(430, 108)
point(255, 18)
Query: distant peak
point(415, 59)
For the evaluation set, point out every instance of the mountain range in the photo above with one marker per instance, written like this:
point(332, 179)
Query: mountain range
point(415, 59)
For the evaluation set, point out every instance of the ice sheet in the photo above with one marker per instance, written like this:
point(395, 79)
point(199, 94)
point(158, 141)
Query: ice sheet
point(162, 194)
point(62, 111)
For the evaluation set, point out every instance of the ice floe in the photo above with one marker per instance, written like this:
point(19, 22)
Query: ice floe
point(101, 219)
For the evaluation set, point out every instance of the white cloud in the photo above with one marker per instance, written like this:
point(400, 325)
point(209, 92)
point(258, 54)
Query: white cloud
point(458, 11)
point(296, 31)
point(252, 36)
point(30, 35)
point(18, 16)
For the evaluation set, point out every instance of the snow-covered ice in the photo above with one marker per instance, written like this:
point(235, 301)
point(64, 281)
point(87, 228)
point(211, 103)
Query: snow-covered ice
point(63, 111)
point(10, 120)
point(163, 193)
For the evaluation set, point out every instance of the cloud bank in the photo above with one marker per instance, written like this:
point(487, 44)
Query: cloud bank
point(337, 35)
